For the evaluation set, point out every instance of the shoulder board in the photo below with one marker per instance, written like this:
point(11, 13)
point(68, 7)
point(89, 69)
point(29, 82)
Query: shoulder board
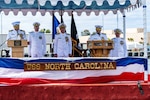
point(93, 33)
point(113, 38)
point(104, 33)
point(57, 33)
point(10, 30)
point(22, 30)
point(67, 34)
point(31, 32)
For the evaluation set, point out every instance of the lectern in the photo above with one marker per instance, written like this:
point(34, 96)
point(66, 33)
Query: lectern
point(17, 47)
point(100, 48)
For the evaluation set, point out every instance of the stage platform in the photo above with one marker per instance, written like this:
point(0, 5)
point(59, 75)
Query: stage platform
point(74, 79)
point(62, 91)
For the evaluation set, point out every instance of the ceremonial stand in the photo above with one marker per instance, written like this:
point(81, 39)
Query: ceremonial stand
point(100, 48)
point(17, 47)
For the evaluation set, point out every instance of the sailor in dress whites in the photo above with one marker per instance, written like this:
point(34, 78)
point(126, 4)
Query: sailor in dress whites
point(16, 33)
point(37, 42)
point(120, 48)
point(62, 43)
point(98, 35)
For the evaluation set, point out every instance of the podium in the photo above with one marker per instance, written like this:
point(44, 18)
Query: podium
point(17, 47)
point(100, 48)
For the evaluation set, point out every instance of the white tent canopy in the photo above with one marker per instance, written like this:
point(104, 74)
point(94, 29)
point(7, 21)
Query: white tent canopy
point(77, 6)
point(62, 6)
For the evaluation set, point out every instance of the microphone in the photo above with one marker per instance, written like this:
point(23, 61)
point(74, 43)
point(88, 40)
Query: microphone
point(140, 88)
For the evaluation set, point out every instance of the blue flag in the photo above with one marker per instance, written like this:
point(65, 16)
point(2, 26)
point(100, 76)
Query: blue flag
point(55, 25)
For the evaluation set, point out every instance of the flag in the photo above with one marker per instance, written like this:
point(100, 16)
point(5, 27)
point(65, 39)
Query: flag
point(73, 29)
point(55, 25)
point(74, 35)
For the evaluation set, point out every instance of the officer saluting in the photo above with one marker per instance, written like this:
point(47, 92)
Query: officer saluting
point(62, 43)
point(16, 34)
point(37, 42)
point(120, 48)
point(98, 35)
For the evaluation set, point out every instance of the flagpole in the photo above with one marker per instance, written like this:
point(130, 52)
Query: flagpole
point(52, 45)
point(61, 15)
point(52, 24)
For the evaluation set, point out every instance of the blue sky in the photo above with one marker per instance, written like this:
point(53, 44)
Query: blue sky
point(134, 19)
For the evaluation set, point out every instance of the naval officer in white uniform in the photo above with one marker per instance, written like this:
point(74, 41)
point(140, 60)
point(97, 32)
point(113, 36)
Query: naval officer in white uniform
point(98, 35)
point(62, 43)
point(37, 42)
point(16, 34)
point(120, 48)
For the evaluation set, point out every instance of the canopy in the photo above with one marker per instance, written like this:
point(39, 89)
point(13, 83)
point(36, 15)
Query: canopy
point(68, 6)
point(77, 6)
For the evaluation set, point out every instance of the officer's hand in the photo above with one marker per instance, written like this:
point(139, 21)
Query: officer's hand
point(70, 55)
point(21, 36)
point(55, 55)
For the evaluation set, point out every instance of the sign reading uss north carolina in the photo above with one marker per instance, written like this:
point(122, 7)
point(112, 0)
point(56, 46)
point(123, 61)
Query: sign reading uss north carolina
point(39, 66)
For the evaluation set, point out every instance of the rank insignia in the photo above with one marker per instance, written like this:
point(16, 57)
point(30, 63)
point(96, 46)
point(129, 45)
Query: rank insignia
point(67, 39)
point(40, 37)
point(121, 42)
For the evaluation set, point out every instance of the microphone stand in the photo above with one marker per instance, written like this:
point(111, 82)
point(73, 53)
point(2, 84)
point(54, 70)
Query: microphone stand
point(7, 51)
point(3, 43)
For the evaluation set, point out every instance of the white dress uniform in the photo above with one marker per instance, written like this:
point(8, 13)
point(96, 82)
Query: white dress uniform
point(120, 48)
point(15, 35)
point(97, 36)
point(62, 45)
point(37, 44)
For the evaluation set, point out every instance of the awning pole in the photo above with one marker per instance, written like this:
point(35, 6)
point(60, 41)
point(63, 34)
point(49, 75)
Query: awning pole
point(145, 39)
point(117, 19)
point(1, 22)
point(145, 28)
point(124, 25)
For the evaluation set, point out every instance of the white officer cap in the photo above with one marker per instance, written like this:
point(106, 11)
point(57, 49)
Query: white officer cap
point(62, 25)
point(98, 26)
point(118, 31)
point(36, 24)
point(16, 23)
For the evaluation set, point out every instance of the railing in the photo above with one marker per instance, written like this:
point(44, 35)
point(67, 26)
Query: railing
point(79, 50)
point(137, 54)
